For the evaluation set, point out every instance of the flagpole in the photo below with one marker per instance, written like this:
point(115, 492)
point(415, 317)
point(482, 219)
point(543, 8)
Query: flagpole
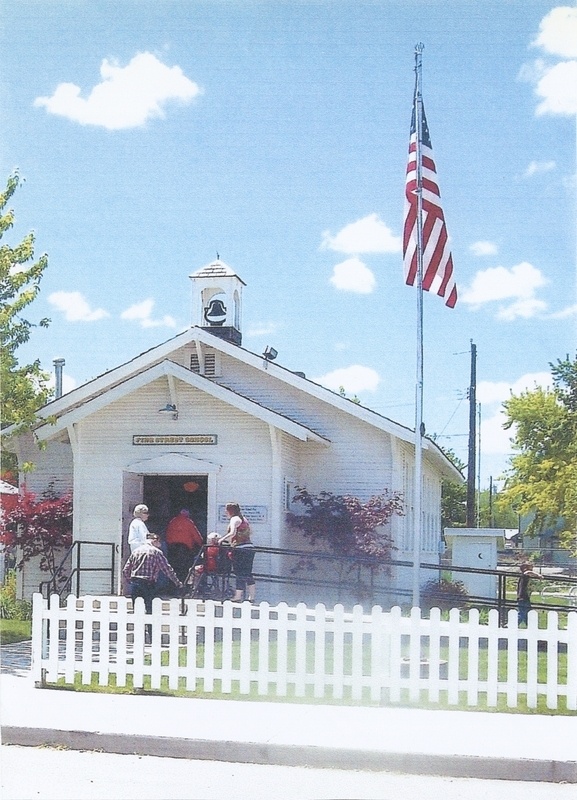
point(418, 487)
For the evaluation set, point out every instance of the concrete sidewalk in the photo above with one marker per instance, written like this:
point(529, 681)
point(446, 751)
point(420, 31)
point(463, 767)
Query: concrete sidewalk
point(454, 743)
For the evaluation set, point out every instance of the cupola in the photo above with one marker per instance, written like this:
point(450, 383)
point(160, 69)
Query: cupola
point(217, 301)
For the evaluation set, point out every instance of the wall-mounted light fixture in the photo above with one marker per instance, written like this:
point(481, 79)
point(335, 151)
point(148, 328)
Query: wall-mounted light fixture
point(270, 353)
point(169, 409)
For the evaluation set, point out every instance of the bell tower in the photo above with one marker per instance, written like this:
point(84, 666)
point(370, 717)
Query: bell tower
point(217, 301)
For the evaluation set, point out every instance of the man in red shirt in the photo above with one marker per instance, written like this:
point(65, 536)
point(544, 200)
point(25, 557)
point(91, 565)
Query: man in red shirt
point(183, 541)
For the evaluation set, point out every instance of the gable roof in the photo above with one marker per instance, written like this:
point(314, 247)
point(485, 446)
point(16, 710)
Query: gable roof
point(169, 368)
point(141, 363)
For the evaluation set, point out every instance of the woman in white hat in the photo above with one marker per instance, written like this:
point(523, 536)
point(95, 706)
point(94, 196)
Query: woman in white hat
point(137, 530)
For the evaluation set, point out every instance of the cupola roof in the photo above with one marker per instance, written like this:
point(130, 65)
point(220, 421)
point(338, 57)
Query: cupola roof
point(217, 269)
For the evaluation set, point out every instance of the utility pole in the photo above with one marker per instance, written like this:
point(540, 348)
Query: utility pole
point(471, 465)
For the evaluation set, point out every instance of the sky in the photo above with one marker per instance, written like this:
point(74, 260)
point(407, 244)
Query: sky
point(151, 136)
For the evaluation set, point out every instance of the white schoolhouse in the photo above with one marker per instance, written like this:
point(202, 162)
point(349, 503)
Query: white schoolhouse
point(199, 421)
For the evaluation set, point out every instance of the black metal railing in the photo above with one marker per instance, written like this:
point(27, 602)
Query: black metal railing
point(357, 579)
point(361, 581)
point(68, 574)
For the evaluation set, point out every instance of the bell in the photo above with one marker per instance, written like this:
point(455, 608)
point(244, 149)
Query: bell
point(215, 313)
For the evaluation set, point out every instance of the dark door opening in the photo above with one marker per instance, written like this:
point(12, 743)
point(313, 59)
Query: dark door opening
point(167, 495)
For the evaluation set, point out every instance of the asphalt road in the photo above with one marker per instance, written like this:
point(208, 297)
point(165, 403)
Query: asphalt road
point(50, 774)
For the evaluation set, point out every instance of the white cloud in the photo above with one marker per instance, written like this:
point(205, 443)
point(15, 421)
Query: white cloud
point(538, 167)
point(496, 392)
point(494, 437)
point(367, 235)
point(555, 84)
point(570, 311)
point(140, 312)
point(558, 32)
point(353, 379)
point(353, 276)
point(127, 96)
point(74, 307)
point(483, 248)
point(498, 283)
point(558, 88)
point(68, 383)
point(522, 308)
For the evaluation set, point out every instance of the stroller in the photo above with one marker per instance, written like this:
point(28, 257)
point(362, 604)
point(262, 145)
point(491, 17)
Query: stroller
point(209, 576)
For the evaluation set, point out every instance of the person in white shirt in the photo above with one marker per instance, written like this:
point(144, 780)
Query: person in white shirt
point(137, 530)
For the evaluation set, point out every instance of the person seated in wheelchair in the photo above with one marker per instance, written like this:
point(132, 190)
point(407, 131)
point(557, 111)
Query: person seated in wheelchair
point(213, 560)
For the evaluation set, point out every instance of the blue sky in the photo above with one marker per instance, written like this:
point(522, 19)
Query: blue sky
point(152, 135)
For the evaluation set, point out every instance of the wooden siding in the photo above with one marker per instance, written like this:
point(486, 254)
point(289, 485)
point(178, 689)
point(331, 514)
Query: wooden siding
point(53, 468)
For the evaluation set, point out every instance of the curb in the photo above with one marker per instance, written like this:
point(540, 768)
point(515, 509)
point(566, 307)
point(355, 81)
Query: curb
point(454, 766)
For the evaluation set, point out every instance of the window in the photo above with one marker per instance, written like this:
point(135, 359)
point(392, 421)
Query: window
point(289, 493)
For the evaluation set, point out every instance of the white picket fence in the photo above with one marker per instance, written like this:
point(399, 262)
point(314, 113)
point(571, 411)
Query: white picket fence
point(305, 652)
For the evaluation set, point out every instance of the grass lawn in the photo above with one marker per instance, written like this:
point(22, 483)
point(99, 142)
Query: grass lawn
point(15, 630)
point(253, 695)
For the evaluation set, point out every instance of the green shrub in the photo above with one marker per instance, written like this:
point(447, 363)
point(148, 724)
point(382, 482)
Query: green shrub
point(10, 606)
point(444, 594)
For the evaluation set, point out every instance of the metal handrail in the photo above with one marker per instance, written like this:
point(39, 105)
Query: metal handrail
point(60, 584)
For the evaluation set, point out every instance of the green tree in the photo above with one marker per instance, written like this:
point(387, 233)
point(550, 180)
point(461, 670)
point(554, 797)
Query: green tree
point(23, 387)
point(542, 480)
point(498, 514)
point(453, 496)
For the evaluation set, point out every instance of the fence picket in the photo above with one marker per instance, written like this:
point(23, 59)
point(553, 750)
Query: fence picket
point(434, 655)
point(572, 661)
point(317, 651)
point(552, 658)
point(396, 655)
point(454, 656)
point(38, 636)
point(54, 637)
point(138, 649)
point(319, 632)
point(301, 650)
point(86, 617)
point(338, 665)
point(377, 664)
point(227, 638)
point(192, 654)
point(122, 650)
point(473, 658)
point(493, 658)
point(70, 648)
point(282, 649)
point(263, 647)
point(245, 647)
point(513, 638)
point(173, 643)
point(209, 654)
point(155, 650)
point(415, 656)
point(532, 658)
point(357, 653)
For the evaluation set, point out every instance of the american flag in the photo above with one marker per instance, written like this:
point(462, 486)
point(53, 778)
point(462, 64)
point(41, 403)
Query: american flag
point(437, 259)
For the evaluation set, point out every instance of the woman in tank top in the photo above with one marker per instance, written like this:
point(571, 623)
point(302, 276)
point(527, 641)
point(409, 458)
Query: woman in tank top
point(243, 552)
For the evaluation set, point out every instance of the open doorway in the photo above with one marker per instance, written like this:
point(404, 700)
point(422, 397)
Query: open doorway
point(167, 495)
